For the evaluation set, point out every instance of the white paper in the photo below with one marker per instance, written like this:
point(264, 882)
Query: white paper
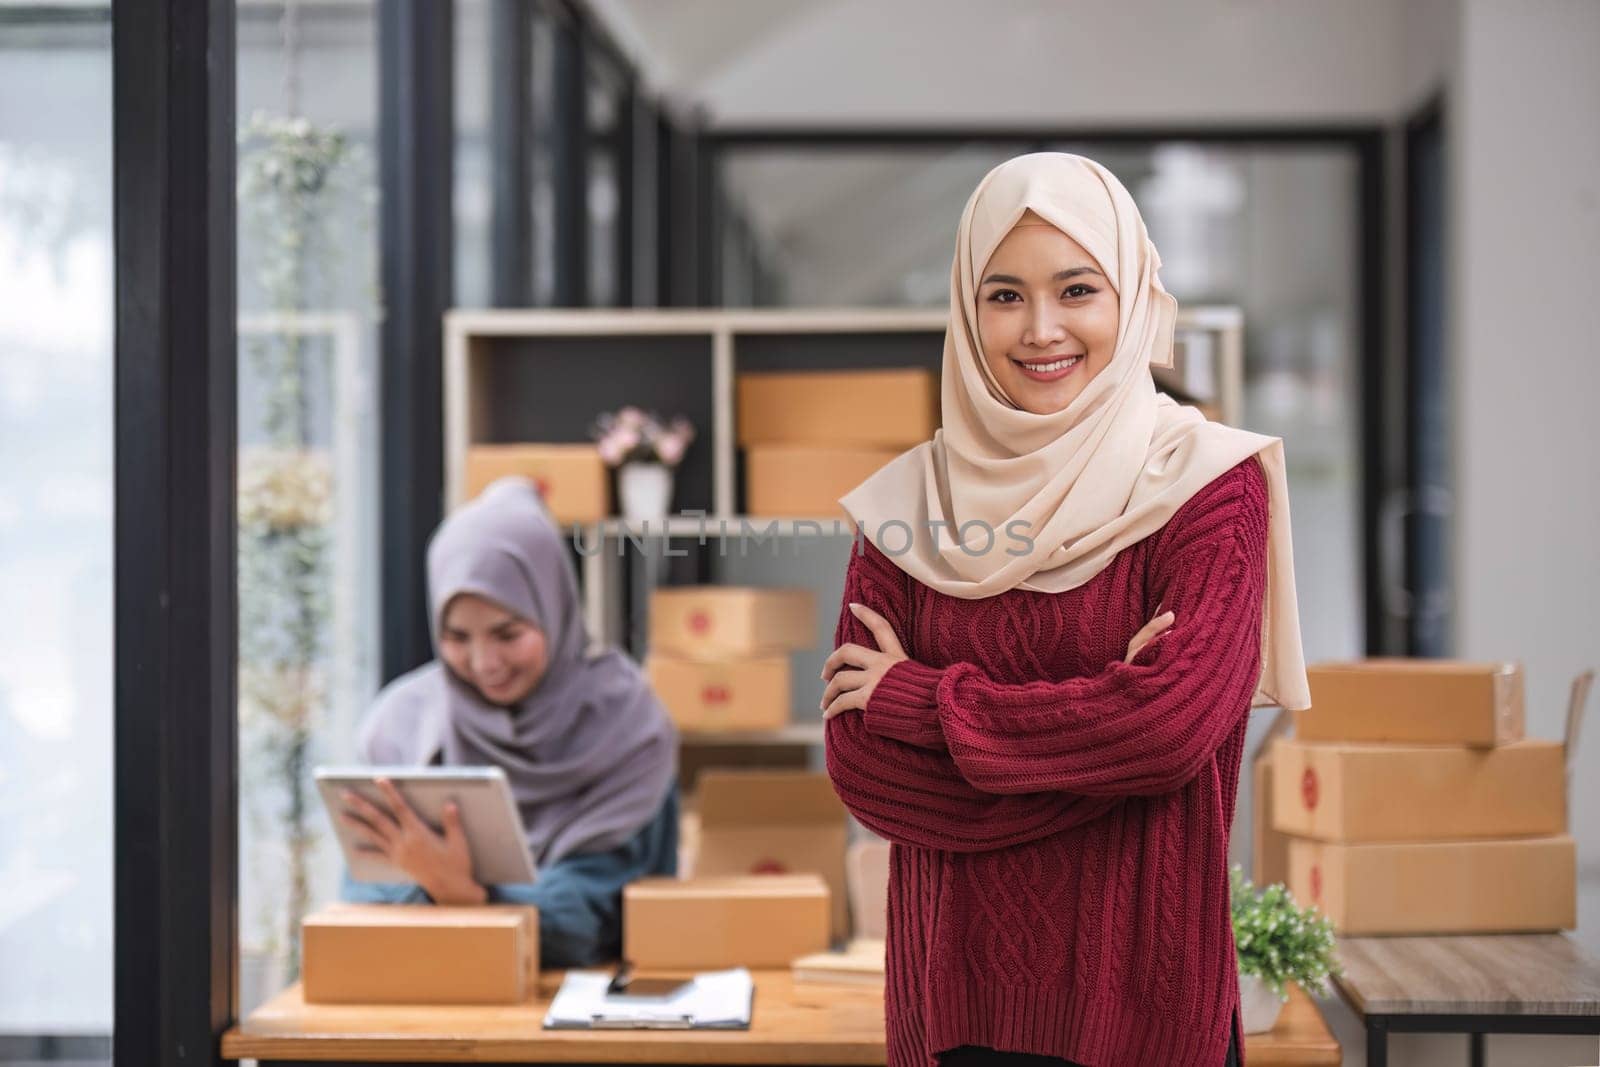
point(714, 999)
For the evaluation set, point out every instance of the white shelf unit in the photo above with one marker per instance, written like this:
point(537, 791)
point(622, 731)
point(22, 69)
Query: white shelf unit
point(543, 375)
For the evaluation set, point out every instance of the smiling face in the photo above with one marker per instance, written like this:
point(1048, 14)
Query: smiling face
point(1047, 316)
point(500, 654)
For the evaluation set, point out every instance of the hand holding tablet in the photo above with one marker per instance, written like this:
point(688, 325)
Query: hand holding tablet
point(449, 822)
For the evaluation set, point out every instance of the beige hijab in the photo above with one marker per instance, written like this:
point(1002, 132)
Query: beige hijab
point(1090, 480)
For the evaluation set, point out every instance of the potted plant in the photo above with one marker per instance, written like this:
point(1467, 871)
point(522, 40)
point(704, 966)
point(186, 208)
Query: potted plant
point(1277, 942)
point(644, 449)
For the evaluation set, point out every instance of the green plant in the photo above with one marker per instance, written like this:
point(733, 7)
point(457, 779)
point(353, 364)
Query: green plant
point(1277, 940)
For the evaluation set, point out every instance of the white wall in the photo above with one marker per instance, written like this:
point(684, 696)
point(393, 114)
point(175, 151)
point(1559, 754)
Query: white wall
point(1524, 132)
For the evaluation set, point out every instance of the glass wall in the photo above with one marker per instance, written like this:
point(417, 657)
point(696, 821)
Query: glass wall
point(1272, 229)
point(309, 312)
point(56, 388)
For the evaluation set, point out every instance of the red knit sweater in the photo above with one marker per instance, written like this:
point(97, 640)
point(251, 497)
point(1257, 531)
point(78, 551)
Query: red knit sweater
point(1059, 877)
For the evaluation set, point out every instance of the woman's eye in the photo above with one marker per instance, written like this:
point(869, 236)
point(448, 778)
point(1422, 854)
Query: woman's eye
point(1072, 291)
point(1004, 296)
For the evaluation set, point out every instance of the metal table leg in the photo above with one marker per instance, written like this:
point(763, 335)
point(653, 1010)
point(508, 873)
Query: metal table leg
point(1377, 1041)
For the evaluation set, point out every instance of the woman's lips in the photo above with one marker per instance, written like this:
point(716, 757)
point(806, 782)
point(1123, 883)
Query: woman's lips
point(1060, 368)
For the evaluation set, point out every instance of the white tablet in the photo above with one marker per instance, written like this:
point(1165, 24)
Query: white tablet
point(482, 795)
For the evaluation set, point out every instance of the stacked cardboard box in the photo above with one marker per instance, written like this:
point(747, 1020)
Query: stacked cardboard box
point(719, 655)
point(809, 437)
point(571, 477)
point(1414, 805)
point(772, 822)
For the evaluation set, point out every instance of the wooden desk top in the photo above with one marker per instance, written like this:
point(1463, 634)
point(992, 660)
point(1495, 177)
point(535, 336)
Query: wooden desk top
point(1492, 974)
point(791, 1023)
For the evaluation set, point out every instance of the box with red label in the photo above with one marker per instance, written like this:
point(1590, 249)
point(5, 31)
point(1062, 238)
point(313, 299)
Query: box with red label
point(1515, 885)
point(721, 695)
point(714, 622)
point(773, 822)
point(1369, 792)
point(572, 478)
point(1414, 701)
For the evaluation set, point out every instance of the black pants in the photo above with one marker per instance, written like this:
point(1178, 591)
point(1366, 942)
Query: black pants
point(981, 1056)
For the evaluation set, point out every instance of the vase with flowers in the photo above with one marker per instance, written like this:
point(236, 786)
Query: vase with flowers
point(1277, 942)
point(644, 449)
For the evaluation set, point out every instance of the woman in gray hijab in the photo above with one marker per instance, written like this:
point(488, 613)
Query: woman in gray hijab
point(589, 751)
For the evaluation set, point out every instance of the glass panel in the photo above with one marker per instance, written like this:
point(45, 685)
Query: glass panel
point(56, 498)
point(308, 452)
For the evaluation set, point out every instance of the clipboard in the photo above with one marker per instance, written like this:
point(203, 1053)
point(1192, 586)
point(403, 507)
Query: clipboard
point(716, 1000)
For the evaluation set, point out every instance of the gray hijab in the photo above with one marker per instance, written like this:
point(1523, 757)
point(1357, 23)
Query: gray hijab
point(590, 753)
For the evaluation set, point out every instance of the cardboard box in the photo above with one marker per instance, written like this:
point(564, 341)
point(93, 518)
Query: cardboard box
point(1366, 792)
point(774, 822)
point(719, 622)
point(572, 478)
point(805, 481)
point(867, 872)
point(709, 923)
point(1414, 701)
point(420, 954)
point(1269, 846)
point(891, 408)
point(1521, 885)
point(730, 695)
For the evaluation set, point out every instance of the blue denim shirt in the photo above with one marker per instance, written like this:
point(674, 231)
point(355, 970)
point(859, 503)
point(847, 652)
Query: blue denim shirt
point(579, 897)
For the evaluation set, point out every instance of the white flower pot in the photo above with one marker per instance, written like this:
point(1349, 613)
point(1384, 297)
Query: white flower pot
point(1258, 1004)
point(646, 490)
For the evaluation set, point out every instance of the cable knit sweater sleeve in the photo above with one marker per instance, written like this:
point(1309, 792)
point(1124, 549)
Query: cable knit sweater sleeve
point(1138, 728)
point(914, 796)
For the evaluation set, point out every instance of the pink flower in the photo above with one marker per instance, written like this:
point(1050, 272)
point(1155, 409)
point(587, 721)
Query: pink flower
point(670, 449)
point(626, 438)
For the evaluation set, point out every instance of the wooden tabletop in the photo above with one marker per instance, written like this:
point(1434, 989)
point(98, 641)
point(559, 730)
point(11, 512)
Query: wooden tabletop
point(1495, 974)
point(791, 1023)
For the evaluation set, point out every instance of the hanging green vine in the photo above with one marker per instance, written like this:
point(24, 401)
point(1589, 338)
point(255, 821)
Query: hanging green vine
point(296, 180)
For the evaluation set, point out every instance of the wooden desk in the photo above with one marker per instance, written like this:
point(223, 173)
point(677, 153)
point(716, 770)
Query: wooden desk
point(1493, 984)
point(804, 1023)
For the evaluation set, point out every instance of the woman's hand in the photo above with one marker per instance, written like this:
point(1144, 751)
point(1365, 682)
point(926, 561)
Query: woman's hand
point(851, 689)
point(440, 863)
point(1150, 631)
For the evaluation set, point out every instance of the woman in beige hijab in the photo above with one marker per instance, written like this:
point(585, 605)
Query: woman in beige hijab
point(1063, 609)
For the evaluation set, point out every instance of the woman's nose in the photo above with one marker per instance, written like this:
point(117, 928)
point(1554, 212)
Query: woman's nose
point(484, 661)
point(1044, 328)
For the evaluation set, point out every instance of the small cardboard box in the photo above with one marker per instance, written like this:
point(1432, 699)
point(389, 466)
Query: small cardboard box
point(722, 696)
point(774, 822)
point(1414, 701)
point(571, 478)
point(1335, 791)
point(892, 408)
point(420, 954)
point(805, 481)
point(1516, 885)
point(705, 923)
point(719, 622)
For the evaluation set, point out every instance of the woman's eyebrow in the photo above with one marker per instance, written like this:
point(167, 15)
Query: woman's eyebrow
point(1058, 276)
